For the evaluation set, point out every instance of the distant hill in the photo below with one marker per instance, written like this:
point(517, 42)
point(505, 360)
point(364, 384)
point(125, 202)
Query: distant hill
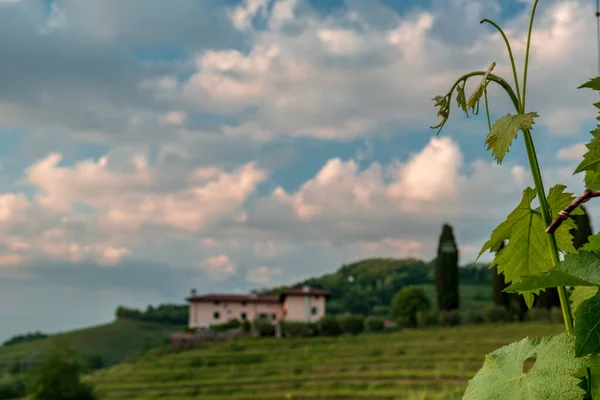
point(368, 286)
point(98, 346)
point(364, 287)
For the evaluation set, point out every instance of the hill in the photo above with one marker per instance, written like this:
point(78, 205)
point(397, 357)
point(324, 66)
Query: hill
point(430, 364)
point(98, 346)
point(368, 286)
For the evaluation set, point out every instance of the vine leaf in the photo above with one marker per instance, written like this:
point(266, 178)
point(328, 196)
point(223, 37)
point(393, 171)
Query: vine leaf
point(587, 327)
point(444, 111)
point(558, 199)
point(553, 376)
point(593, 84)
point(460, 97)
point(593, 243)
point(473, 102)
point(580, 269)
point(581, 294)
point(505, 130)
point(591, 159)
point(526, 253)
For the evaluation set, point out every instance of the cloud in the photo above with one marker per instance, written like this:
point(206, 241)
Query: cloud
point(340, 76)
point(218, 268)
point(263, 275)
point(573, 152)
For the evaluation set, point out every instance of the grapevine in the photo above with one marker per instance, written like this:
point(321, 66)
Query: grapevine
point(567, 366)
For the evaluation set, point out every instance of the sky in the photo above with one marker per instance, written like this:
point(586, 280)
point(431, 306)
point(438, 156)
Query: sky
point(149, 147)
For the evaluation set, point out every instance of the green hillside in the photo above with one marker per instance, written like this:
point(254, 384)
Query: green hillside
point(426, 364)
point(102, 345)
point(368, 286)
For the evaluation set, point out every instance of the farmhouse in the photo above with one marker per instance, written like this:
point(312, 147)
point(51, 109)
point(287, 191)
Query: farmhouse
point(297, 305)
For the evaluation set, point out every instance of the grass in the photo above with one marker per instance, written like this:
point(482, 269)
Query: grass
point(430, 364)
point(472, 297)
point(114, 342)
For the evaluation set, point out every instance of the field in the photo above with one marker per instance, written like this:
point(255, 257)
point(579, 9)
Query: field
point(113, 342)
point(429, 364)
point(472, 297)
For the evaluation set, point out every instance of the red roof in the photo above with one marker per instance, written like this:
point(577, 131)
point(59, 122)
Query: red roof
point(233, 298)
point(310, 292)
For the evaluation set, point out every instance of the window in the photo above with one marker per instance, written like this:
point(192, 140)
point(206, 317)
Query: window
point(273, 316)
point(217, 302)
point(215, 315)
point(244, 316)
point(314, 311)
point(262, 315)
point(243, 304)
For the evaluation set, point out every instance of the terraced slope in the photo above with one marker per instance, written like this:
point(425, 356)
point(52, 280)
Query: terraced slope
point(432, 364)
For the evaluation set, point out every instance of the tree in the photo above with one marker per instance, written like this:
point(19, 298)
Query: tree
point(446, 271)
point(59, 378)
point(407, 303)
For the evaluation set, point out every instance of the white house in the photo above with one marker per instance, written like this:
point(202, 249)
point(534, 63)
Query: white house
point(298, 305)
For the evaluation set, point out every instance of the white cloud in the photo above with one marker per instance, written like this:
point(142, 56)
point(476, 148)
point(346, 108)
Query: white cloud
point(263, 275)
point(336, 79)
point(574, 152)
point(219, 268)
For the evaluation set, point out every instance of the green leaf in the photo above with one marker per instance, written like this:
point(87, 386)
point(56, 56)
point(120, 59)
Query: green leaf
point(557, 200)
point(505, 130)
point(473, 102)
point(587, 327)
point(526, 253)
point(581, 294)
point(444, 111)
point(592, 180)
point(552, 377)
point(580, 269)
point(593, 84)
point(460, 97)
point(593, 243)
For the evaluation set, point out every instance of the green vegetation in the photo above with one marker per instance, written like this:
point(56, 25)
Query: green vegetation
point(98, 346)
point(176, 314)
point(425, 364)
point(59, 378)
point(446, 271)
point(27, 337)
point(407, 303)
point(565, 366)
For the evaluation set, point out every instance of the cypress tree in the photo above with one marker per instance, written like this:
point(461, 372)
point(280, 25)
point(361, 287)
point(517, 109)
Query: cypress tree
point(446, 271)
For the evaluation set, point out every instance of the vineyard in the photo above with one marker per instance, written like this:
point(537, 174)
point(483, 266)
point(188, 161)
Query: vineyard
point(424, 364)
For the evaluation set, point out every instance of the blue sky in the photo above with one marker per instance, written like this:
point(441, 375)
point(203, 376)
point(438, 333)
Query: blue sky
point(148, 147)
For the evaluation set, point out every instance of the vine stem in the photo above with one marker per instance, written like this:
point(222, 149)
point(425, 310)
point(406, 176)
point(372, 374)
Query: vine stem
point(539, 185)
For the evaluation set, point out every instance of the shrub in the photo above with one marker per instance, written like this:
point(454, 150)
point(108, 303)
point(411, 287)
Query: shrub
point(12, 387)
point(496, 314)
point(556, 315)
point(297, 329)
point(381, 311)
point(59, 378)
point(231, 324)
point(539, 315)
point(475, 317)
point(427, 318)
point(263, 327)
point(246, 327)
point(352, 324)
point(407, 303)
point(329, 326)
point(450, 318)
point(374, 324)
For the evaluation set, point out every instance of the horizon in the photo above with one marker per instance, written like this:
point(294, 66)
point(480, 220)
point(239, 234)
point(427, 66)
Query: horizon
point(151, 148)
